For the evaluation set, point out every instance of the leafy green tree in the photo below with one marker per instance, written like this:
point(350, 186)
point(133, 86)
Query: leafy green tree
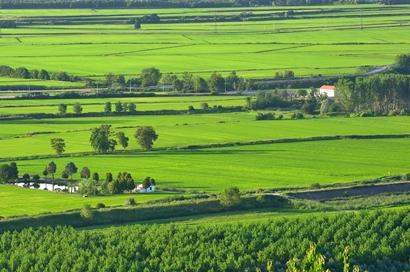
point(77, 108)
point(13, 171)
point(70, 169)
point(51, 169)
point(86, 212)
point(145, 137)
point(200, 85)
point(216, 83)
point(43, 74)
point(122, 139)
point(96, 177)
point(137, 24)
point(62, 108)
point(119, 107)
point(230, 197)
point(4, 173)
point(147, 182)
point(88, 187)
point(22, 72)
point(58, 144)
point(150, 76)
point(100, 139)
point(26, 179)
point(108, 107)
point(344, 93)
point(85, 173)
point(132, 107)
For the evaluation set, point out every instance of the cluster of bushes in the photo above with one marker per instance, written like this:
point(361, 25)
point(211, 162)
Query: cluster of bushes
point(22, 72)
point(377, 241)
point(267, 116)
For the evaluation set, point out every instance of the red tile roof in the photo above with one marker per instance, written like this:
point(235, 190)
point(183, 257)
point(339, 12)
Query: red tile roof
point(328, 87)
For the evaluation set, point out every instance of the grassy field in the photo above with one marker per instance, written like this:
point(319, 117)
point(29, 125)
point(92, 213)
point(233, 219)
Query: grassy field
point(97, 105)
point(17, 138)
point(20, 201)
point(334, 43)
point(30, 83)
point(255, 166)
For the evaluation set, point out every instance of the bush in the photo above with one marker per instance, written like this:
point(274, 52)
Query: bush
point(265, 116)
point(100, 206)
point(86, 212)
point(130, 202)
point(230, 197)
point(297, 115)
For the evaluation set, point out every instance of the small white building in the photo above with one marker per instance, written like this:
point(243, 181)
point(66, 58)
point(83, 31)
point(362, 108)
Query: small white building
point(328, 90)
point(140, 189)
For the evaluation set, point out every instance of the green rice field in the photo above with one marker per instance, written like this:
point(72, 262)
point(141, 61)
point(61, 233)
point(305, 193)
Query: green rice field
point(339, 42)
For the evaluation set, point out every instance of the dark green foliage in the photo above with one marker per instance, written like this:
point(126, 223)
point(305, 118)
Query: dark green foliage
point(77, 108)
point(219, 247)
point(70, 169)
point(265, 116)
point(150, 77)
point(108, 107)
point(216, 83)
point(122, 139)
point(85, 173)
point(403, 64)
point(8, 172)
point(380, 94)
point(58, 144)
point(145, 137)
point(269, 100)
point(230, 197)
point(62, 109)
point(100, 139)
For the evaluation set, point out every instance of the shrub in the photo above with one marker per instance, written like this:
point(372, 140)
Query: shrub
point(130, 202)
point(86, 212)
point(100, 206)
point(230, 197)
point(265, 116)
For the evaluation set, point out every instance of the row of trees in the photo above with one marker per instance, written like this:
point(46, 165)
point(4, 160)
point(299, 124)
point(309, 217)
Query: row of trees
point(98, 4)
point(187, 82)
point(22, 72)
point(379, 94)
point(119, 107)
point(104, 140)
point(377, 241)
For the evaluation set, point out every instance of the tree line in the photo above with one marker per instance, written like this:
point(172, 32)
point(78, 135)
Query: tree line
point(380, 94)
point(23, 72)
point(101, 4)
point(376, 241)
point(103, 139)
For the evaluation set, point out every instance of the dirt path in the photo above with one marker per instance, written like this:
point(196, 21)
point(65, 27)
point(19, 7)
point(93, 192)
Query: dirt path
point(368, 190)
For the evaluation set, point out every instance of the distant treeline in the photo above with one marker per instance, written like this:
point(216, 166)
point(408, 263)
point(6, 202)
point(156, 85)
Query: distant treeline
point(22, 72)
point(105, 4)
point(131, 3)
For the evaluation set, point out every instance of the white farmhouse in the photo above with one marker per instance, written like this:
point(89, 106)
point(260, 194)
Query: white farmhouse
point(140, 188)
point(328, 90)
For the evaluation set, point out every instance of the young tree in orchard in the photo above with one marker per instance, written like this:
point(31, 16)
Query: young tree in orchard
point(70, 169)
point(77, 108)
point(108, 107)
point(85, 173)
point(150, 77)
point(145, 137)
point(100, 139)
point(122, 139)
point(62, 108)
point(58, 144)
